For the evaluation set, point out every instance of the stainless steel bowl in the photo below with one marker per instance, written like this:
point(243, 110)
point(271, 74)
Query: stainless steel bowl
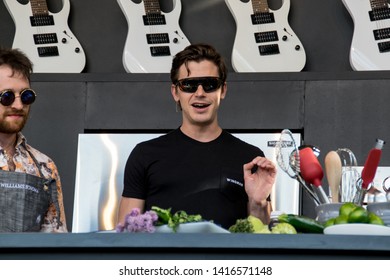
point(326, 211)
point(381, 209)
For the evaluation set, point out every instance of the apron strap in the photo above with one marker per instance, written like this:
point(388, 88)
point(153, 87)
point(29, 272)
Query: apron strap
point(50, 183)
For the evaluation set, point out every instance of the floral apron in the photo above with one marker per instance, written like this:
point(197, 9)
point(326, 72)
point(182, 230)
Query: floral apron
point(25, 199)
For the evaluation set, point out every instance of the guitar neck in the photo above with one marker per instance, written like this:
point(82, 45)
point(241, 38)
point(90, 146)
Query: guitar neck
point(260, 6)
point(152, 7)
point(39, 7)
point(376, 4)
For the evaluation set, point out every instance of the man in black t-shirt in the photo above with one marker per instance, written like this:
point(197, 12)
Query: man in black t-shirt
point(199, 167)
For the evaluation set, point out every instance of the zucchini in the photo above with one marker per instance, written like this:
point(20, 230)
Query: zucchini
point(301, 223)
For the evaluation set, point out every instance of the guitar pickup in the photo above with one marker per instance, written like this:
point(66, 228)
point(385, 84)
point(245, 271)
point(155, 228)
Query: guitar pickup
point(157, 38)
point(47, 51)
point(379, 14)
point(381, 34)
point(264, 37)
point(262, 18)
point(42, 20)
point(384, 47)
point(48, 38)
point(160, 51)
point(154, 19)
point(269, 49)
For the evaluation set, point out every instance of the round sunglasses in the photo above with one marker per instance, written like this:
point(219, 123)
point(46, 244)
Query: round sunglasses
point(27, 96)
point(190, 85)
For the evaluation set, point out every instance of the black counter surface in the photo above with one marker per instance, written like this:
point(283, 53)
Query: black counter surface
point(191, 246)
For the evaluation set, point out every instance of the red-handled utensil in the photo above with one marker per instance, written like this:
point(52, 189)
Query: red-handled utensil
point(312, 172)
point(371, 164)
point(368, 172)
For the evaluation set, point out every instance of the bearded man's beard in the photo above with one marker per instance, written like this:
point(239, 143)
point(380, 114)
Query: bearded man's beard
point(13, 127)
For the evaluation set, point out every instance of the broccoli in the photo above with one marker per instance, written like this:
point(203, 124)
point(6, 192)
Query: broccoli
point(242, 226)
point(251, 224)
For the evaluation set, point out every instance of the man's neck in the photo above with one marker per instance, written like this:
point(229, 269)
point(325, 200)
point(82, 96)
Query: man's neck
point(7, 140)
point(202, 133)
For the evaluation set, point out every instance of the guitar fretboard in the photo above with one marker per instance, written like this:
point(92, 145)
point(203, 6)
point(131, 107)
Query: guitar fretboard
point(260, 6)
point(152, 7)
point(39, 7)
point(375, 4)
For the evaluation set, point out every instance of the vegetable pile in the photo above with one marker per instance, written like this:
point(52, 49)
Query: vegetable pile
point(352, 213)
point(147, 222)
point(165, 217)
point(252, 224)
point(301, 223)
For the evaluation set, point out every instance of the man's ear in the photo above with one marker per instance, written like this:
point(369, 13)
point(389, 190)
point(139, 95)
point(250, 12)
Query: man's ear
point(174, 92)
point(223, 90)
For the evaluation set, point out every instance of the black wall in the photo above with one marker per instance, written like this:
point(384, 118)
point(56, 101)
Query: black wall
point(331, 104)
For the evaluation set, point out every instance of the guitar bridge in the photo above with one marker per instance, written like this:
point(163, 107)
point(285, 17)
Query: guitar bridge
point(154, 19)
point(48, 38)
point(384, 47)
point(262, 18)
point(42, 20)
point(269, 49)
point(157, 38)
point(160, 51)
point(47, 51)
point(264, 37)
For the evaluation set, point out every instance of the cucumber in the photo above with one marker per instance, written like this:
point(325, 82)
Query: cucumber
point(301, 223)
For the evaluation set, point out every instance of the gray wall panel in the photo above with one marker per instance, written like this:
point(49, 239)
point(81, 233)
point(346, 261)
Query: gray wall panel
point(131, 105)
point(56, 119)
point(347, 113)
point(263, 105)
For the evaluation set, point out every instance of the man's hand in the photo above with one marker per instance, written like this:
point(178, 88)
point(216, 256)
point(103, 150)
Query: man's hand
point(258, 186)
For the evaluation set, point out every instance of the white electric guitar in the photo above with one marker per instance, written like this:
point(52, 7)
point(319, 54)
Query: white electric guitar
point(45, 37)
point(153, 37)
point(264, 40)
point(370, 48)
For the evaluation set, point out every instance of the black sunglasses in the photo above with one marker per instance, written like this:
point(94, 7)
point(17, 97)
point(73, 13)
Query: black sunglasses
point(190, 85)
point(27, 96)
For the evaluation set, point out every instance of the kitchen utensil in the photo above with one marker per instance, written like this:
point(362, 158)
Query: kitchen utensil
point(311, 172)
point(375, 195)
point(371, 164)
point(287, 157)
point(369, 170)
point(333, 169)
point(386, 187)
point(349, 175)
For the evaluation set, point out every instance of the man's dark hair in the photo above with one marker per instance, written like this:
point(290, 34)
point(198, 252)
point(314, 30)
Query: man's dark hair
point(17, 61)
point(197, 53)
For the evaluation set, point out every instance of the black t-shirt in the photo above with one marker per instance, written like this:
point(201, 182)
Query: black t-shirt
point(178, 172)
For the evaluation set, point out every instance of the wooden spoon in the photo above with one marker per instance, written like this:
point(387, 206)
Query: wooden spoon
point(333, 169)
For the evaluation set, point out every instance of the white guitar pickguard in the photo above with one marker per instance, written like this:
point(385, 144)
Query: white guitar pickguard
point(71, 56)
point(137, 56)
point(364, 52)
point(246, 56)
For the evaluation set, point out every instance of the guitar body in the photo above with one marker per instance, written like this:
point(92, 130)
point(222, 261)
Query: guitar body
point(284, 54)
point(52, 48)
point(365, 52)
point(155, 55)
